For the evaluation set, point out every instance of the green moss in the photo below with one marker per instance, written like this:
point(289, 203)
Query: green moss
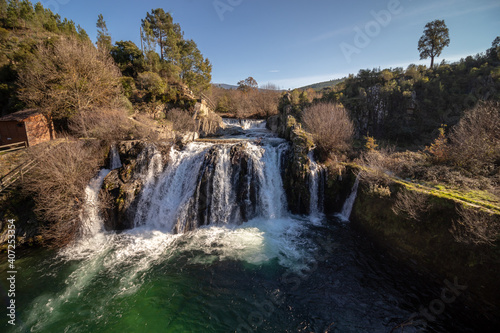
point(484, 200)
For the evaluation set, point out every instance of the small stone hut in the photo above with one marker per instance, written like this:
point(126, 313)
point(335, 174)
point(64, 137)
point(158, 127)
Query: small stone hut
point(28, 126)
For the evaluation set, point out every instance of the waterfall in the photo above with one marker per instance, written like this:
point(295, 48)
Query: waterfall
point(245, 124)
point(91, 221)
point(114, 161)
point(316, 187)
point(92, 225)
point(214, 184)
point(349, 203)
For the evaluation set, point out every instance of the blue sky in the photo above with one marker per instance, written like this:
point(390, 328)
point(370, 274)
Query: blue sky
point(293, 43)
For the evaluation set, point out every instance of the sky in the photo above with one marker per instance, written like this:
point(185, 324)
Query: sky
point(293, 43)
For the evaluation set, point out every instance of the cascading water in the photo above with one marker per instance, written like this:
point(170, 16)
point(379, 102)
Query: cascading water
point(316, 187)
point(345, 214)
point(246, 124)
point(114, 161)
point(214, 184)
point(91, 220)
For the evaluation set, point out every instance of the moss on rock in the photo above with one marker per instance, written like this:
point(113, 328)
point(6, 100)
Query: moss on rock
point(429, 241)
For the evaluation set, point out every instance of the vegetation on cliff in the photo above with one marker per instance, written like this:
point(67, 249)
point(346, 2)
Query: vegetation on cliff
point(407, 106)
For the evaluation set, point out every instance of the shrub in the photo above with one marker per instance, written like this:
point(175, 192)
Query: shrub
point(476, 227)
point(153, 84)
point(330, 126)
point(411, 204)
point(371, 143)
point(475, 140)
point(58, 184)
point(439, 149)
point(181, 120)
point(104, 124)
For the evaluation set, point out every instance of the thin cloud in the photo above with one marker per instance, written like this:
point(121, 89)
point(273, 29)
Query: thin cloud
point(473, 10)
point(332, 34)
point(448, 4)
point(274, 71)
point(425, 9)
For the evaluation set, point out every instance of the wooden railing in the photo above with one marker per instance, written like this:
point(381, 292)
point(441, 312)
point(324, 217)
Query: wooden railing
point(16, 174)
point(13, 146)
point(210, 104)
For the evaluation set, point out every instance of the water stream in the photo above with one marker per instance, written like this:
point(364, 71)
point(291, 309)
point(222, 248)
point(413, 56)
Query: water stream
point(345, 214)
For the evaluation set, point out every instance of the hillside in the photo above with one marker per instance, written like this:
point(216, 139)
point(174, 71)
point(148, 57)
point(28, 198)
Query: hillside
point(322, 85)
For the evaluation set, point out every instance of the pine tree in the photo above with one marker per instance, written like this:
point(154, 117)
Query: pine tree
point(167, 34)
point(13, 13)
point(26, 12)
point(3, 9)
point(82, 34)
point(180, 58)
point(103, 36)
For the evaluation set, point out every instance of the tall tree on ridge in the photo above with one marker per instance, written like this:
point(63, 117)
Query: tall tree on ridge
point(195, 70)
point(434, 40)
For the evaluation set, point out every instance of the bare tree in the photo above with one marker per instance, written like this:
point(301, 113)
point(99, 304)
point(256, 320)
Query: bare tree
point(181, 120)
point(330, 126)
point(58, 183)
point(104, 124)
point(68, 76)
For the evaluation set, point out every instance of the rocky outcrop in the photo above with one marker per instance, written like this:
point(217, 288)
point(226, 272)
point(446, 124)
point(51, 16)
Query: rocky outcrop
point(122, 186)
point(209, 123)
point(183, 138)
point(296, 165)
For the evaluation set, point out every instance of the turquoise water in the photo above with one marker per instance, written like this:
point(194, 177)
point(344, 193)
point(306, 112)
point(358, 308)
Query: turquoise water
point(283, 275)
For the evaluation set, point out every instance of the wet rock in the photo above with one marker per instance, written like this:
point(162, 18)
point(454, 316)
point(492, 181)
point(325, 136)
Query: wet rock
point(121, 186)
point(183, 139)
